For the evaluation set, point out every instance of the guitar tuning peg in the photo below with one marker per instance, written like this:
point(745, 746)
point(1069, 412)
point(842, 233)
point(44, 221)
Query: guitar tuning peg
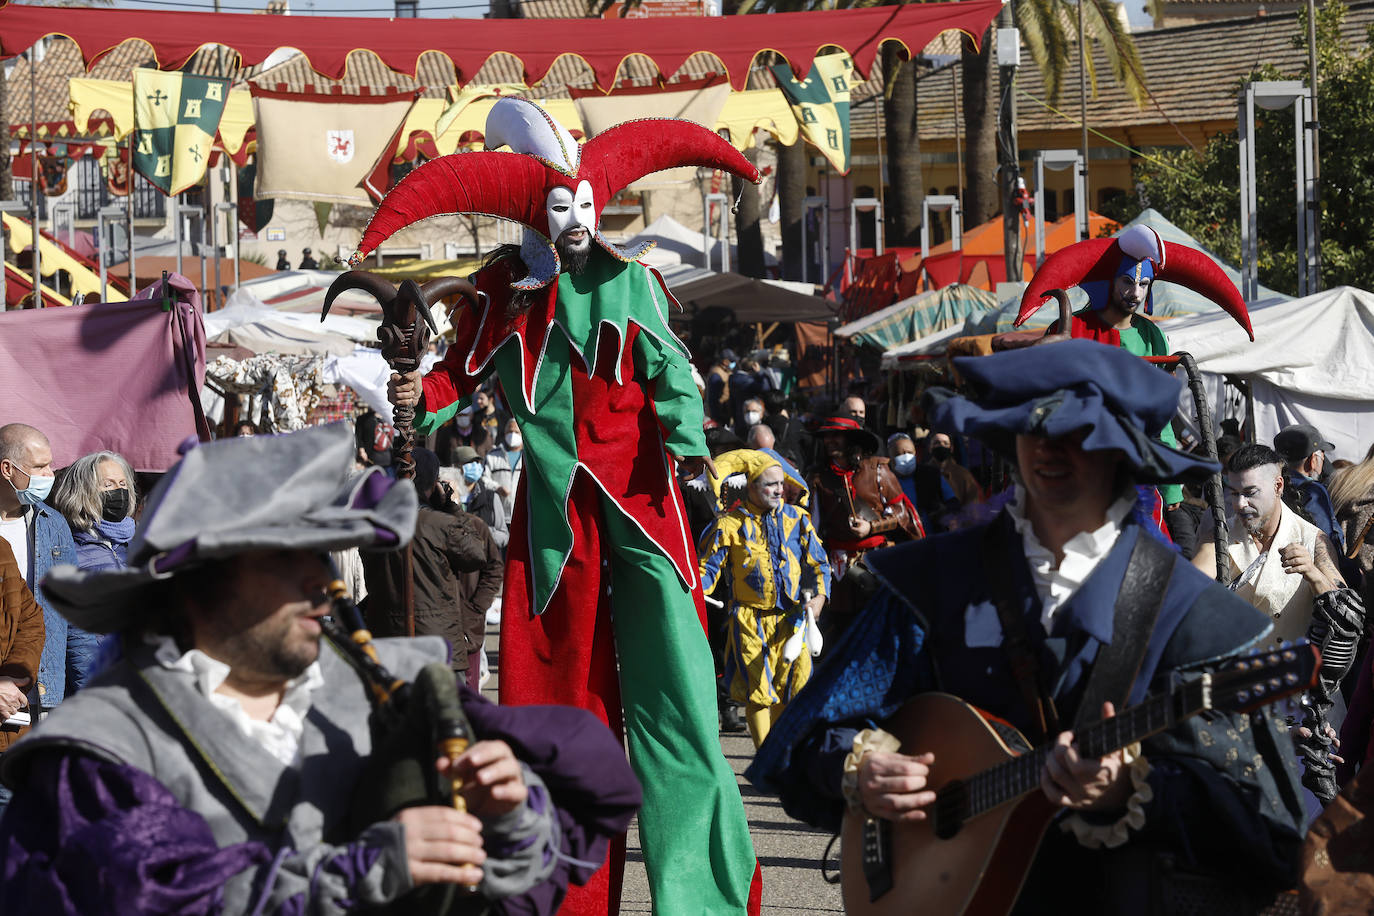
point(1290, 655)
point(1275, 683)
point(1243, 696)
point(1290, 678)
point(1273, 658)
point(1259, 689)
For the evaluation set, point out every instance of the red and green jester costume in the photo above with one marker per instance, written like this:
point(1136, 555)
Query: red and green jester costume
point(601, 570)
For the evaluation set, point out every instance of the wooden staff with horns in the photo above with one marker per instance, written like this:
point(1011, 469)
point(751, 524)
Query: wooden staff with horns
point(404, 335)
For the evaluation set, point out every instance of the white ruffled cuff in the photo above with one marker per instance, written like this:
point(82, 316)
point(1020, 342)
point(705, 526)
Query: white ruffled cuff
point(1110, 836)
point(868, 741)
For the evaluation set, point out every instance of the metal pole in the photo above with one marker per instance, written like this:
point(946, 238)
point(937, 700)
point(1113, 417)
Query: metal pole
point(177, 230)
point(1314, 133)
point(234, 223)
point(1083, 113)
point(1300, 173)
point(1039, 210)
point(33, 185)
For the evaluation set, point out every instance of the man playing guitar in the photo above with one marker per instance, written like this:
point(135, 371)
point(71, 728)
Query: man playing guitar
point(1060, 611)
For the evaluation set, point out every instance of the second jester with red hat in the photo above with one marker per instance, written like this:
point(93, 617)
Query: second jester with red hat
point(602, 607)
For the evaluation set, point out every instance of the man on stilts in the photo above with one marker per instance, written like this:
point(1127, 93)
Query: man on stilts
point(601, 568)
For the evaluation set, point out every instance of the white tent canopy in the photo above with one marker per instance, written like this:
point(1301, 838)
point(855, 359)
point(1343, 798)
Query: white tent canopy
point(1312, 362)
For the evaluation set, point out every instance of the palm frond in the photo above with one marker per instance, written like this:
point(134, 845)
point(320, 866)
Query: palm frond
point(1044, 30)
point(1105, 24)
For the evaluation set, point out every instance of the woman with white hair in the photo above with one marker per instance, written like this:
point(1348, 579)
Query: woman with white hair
point(97, 496)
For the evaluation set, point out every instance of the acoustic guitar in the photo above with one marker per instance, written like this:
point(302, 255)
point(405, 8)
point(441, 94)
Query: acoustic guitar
point(972, 854)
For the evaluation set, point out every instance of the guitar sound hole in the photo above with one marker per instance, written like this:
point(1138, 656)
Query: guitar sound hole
point(951, 803)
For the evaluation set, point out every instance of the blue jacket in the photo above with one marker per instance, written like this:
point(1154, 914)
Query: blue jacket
point(106, 546)
point(1317, 501)
point(68, 651)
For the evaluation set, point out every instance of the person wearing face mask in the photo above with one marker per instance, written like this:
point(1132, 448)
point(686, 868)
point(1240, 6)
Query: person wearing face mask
point(506, 462)
point(464, 430)
point(718, 387)
point(751, 415)
point(963, 483)
point(40, 538)
point(923, 484)
point(476, 493)
point(97, 497)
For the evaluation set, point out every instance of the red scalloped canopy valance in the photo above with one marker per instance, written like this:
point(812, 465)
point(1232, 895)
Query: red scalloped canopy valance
point(602, 43)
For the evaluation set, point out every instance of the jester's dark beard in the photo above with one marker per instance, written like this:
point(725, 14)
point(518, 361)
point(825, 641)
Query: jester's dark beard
point(574, 258)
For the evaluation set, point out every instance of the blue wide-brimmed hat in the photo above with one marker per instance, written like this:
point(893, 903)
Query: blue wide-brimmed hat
point(1061, 388)
point(297, 491)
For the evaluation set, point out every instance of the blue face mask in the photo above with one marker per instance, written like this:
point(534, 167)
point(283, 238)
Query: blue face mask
point(904, 464)
point(472, 472)
point(37, 490)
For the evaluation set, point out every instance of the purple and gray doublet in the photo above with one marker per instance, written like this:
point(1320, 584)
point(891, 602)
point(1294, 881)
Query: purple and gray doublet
point(137, 795)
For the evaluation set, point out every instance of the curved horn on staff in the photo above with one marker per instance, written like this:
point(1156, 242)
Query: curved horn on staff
point(444, 287)
point(378, 287)
point(506, 185)
point(1065, 268)
point(1197, 271)
point(629, 151)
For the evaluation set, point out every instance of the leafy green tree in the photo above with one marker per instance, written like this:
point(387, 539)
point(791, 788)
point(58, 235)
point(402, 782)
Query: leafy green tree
point(1201, 193)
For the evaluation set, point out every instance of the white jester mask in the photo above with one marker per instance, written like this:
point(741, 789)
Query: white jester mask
point(567, 209)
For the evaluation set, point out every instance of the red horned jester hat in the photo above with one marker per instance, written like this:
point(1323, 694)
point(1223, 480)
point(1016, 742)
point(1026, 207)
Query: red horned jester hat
point(1094, 265)
point(548, 183)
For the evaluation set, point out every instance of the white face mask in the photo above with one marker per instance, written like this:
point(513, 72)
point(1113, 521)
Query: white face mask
point(514, 440)
point(566, 209)
point(752, 417)
point(904, 464)
point(463, 421)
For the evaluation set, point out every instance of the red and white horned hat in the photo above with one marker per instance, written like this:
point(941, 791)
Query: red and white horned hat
point(547, 183)
point(1095, 263)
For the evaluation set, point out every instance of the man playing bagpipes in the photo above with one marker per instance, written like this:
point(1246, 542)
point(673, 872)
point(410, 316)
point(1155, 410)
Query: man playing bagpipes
point(229, 760)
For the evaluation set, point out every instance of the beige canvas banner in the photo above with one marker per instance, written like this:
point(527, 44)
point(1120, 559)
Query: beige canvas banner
point(702, 105)
point(313, 147)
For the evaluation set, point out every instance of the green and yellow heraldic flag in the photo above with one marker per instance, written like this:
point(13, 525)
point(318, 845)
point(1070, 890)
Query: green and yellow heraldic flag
point(176, 116)
point(821, 104)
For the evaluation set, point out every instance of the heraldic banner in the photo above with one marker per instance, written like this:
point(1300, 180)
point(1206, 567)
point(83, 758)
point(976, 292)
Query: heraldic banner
point(176, 117)
point(327, 148)
point(821, 104)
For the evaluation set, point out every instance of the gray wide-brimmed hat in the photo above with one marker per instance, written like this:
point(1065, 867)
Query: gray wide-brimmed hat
point(297, 491)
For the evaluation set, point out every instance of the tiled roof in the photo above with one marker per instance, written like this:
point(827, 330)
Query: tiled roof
point(1193, 72)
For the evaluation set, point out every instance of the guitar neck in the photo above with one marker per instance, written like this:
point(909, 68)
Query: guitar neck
point(1021, 775)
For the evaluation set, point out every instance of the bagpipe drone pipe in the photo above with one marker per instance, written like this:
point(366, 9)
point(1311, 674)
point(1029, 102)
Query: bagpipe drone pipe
point(412, 724)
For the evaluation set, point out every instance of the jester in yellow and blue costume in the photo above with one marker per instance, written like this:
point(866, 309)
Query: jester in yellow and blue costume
point(603, 606)
point(768, 553)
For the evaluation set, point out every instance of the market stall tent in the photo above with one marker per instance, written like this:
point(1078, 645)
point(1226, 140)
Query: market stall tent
point(1312, 362)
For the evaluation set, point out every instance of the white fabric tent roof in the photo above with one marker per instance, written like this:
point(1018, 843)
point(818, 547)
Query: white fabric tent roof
point(1312, 362)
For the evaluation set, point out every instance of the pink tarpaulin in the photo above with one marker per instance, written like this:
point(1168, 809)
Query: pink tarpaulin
point(602, 43)
point(113, 375)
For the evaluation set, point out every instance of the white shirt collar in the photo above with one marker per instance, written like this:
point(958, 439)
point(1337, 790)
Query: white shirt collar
point(1056, 584)
point(280, 735)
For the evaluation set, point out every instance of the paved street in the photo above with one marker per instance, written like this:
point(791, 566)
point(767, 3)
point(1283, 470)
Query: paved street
point(789, 851)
